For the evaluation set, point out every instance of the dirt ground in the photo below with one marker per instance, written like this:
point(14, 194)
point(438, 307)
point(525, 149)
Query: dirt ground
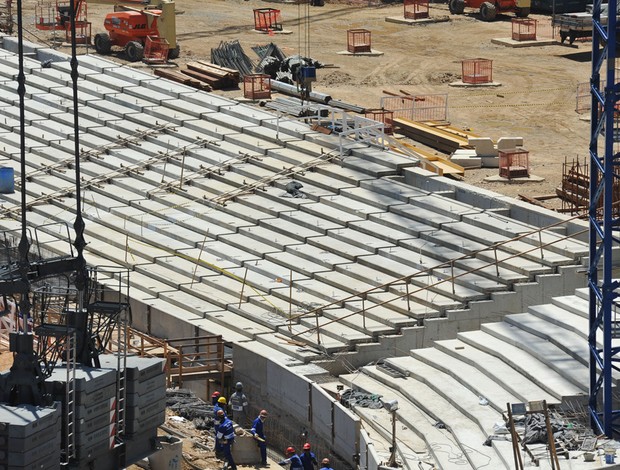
point(536, 99)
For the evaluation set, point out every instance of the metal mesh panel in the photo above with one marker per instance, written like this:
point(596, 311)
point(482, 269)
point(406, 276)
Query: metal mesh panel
point(418, 107)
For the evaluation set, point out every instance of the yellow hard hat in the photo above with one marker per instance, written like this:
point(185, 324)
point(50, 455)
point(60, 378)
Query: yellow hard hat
point(222, 400)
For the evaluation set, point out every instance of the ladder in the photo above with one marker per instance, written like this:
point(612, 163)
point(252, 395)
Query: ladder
point(70, 396)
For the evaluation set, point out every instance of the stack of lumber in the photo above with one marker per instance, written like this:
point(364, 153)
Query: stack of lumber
point(182, 78)
point(440, 136)
point(203, 76)
point(215, 76)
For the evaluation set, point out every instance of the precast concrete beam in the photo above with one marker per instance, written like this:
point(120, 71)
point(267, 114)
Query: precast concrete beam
point(315, 254)
point(332, 213)
point(353, 206)
point(189, 216)
point(247, 242)
point(307, 218)
point(169, 87)
point(338, 247)
point(420, 214)
point(395, 189)
point(382, 157)
point(156, 224)
point(301, 265)
point(289, 226)
point(208, 101)
point(255, 145)
point(208, 291)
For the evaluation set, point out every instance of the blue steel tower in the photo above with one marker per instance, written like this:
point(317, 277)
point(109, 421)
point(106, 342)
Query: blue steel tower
point(603, 226)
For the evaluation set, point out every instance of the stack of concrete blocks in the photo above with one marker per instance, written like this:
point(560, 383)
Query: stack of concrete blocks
point(95, 405)
point(145, 403)
point(485, 154)
point(30, 437)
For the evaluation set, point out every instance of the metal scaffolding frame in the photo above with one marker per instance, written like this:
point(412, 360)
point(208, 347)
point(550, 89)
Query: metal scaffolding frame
point(603, 225)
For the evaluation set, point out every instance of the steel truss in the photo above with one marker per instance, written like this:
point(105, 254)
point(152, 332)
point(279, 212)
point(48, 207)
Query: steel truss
point(603, 325)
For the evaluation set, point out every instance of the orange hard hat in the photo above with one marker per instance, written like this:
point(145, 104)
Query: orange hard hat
point(215, 394)
point(290, 450)
point(307, 446)
point(220, 413)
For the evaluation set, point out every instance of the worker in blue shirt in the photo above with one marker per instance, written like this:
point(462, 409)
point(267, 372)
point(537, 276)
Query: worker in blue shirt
point(225, 433)
point(325, 464)
point(292, 459)
point(308, 459)
point(258, 432)
point(220, 405)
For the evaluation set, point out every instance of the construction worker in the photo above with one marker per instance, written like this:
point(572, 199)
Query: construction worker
point(308, 459)
point(214, 396)
point(220, 405)
point(239, 405)
point(225, 433)
point(293, 459)
point(325, 464)
point(259, 434)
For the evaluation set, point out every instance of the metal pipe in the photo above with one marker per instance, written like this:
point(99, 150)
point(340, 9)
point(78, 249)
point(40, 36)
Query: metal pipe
point(293, 90)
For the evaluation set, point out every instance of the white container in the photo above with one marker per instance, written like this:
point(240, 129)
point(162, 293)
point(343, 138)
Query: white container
point(170, 455)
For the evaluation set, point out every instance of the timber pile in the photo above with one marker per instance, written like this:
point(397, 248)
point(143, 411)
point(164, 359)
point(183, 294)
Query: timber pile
point(182, 78)
point(203, 76)
point(439, 136)
point(217, 77)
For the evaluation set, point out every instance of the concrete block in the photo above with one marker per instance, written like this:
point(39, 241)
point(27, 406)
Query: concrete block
point(484, 146)
point(245, 451)
point(508, 143)
point(45, 54)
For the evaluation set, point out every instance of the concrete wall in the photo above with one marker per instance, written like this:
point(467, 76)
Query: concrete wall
point(369, 460)
point(300, 410)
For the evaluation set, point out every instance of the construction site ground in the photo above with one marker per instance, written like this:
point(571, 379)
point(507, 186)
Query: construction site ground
point(536, 99)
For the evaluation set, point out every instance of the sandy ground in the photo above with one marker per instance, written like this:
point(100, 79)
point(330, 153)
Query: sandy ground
point(536, 99)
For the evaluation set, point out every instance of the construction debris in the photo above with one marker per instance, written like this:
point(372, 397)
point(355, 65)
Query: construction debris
point(217, 77)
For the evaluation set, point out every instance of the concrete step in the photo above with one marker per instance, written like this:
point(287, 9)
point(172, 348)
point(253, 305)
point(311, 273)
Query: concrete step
point(421, 304)
point(512, 333)
point(291, 227)
point(454, 285)
point(339, 247)
point(522, 246)
point(523, 363)
point(413, 417)
point(469, 376)
point(459, 396)
point(301, 265)
point(332, 214)
point(537, 323)
point(317, 255)
point(574, 304)
point(497, 370)
point(466, 433)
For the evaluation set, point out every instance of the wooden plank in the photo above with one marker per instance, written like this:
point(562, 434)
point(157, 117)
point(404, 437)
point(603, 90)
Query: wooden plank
point(428, 135)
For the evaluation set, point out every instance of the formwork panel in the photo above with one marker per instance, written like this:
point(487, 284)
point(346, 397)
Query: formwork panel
point(417, 107)
point(524, 29)
point(415, 9)
point(257, 86)
point(267, 19)
point(514, 163)
point(358, 40)
point(476, 71)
